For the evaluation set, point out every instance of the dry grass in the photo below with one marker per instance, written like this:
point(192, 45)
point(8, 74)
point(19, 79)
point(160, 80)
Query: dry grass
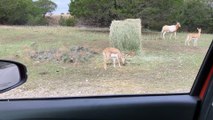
point(54, 19)
point(165, 66)
point(126, 34)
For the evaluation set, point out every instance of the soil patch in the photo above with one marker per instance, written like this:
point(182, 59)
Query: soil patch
point(73, 55)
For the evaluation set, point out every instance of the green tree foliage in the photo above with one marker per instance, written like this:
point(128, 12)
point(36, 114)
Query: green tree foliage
point(93, 12)
point(71, 21)
point(153, 13)
point(15, 11)
point(195, 13)
point(21, 12)
point(45, 6)
point(103, 11)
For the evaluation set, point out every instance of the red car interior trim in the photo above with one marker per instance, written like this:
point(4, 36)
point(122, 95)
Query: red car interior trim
point(205, 86)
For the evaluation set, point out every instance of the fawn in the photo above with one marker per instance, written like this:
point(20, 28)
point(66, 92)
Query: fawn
point(114, 54)
point(194, 37)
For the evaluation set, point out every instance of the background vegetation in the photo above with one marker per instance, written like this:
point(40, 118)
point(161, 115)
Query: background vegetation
point(67, 21)
point(153, 13)
point(22, 12)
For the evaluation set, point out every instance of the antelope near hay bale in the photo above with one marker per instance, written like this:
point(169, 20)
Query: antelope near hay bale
point(170, 29)
point(194, 37)
point(114, 54)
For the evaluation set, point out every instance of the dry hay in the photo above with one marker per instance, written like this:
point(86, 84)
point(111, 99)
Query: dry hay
point(54, 19)
point(126, 34)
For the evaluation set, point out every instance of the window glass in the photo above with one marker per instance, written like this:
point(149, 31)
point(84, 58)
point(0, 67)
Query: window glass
point(70, 47)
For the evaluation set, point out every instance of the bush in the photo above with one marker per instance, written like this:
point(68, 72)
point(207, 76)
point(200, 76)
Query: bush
point(38, 20)
point(126, 34)
point(70, 21)
point(62, 21)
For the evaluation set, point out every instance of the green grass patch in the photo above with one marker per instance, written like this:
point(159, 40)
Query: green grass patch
point(165, 66)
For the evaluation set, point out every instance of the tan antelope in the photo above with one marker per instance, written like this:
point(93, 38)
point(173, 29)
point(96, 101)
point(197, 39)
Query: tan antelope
point(114, 54)
point(194, 37)
point(170, 29)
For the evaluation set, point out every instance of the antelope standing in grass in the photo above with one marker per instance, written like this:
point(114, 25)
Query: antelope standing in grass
point(194, 37)
point(114, 54)
point(170, 29)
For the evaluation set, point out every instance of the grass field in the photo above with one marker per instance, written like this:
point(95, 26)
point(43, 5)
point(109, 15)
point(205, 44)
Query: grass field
point(165, 66)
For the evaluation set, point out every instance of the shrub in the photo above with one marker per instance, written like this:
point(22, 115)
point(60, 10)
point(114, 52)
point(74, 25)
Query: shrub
point(62, 21)
point(70, 21)
point(38, 20)
point(126, 34)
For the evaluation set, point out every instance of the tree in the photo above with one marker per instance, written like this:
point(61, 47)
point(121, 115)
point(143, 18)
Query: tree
point(156, 13)
point(15, 11)
point(195, 14)
point(103, 11)
point(93, 12)
point(153, 13)
point(20, 12)
point(45, 6)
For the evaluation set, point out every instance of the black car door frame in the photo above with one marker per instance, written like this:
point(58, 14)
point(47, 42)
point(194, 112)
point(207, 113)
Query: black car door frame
point(203, 87)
